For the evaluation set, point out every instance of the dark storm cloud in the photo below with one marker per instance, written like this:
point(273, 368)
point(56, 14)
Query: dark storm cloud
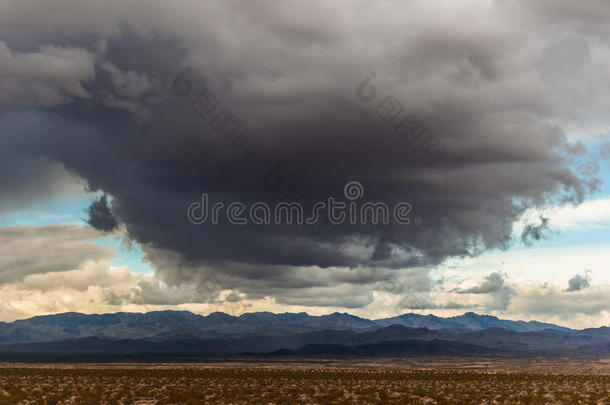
point(101, 216)
point(26, 175)
point(291, 78)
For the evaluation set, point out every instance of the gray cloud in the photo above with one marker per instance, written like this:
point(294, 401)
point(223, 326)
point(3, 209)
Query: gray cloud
point(293, 76)
point(535, 232)
point(127, 84)
point(55, 248)
point(589, 16)
point(578, 282)
point(421, 301)
point(51, 76)
point(492, 283)
point(495, 286)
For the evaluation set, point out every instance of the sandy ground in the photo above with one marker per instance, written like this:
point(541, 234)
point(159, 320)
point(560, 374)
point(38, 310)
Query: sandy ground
point(533, 365)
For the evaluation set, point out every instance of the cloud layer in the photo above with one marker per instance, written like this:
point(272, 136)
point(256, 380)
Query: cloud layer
point(487, 79)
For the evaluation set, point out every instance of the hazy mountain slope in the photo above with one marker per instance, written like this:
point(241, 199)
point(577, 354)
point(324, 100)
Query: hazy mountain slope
point(468, 321)
point(182, 325)
point(171, 323)
point(395, 340)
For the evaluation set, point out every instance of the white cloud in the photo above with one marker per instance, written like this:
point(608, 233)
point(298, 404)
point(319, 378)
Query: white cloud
point(589, 307)
point(591, 214)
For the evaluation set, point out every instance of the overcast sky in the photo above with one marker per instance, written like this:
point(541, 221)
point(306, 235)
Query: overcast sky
point(489, 118)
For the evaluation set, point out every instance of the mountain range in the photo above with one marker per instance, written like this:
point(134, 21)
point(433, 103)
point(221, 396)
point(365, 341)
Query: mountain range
point(184, 334)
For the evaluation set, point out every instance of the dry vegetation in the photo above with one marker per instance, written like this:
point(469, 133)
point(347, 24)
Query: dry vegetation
point(295, 384)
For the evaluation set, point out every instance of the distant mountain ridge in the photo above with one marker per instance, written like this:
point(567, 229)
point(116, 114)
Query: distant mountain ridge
point(165, 324)
point(184, 334)
point(124, 325)
point(469, 321)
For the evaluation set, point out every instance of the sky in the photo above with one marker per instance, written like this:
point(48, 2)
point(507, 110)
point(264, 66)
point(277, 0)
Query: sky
point(485, 122)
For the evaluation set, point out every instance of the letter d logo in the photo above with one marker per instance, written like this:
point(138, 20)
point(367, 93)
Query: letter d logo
point(197, 212)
